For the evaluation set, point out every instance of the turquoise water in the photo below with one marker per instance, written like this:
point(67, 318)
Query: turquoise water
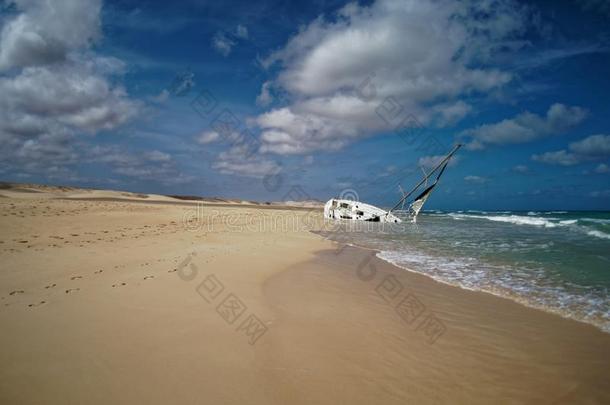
point(557, 261)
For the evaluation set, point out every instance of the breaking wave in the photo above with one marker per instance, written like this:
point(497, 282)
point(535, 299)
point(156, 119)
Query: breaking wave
point(545, 222)
point(530, 287)
point(514, 219)
point(599, 234)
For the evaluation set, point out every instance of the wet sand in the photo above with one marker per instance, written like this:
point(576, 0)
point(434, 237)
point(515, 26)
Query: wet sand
point(364, 336)
point(117, 302)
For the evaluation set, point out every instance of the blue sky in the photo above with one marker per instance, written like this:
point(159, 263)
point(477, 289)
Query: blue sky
point(283, 100)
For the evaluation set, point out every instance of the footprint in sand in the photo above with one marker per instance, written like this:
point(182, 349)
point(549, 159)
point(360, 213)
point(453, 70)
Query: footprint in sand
point(16, 292)
point(75, 277)
point(147, 277)
point(98, 271)
point(51, 286)
point(118, 285)
point(38, 304)
point(71, 290)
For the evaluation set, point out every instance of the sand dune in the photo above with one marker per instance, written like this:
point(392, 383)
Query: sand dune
point(38, 191)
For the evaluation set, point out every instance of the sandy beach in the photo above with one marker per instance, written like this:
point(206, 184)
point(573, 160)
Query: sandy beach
point(110, 297)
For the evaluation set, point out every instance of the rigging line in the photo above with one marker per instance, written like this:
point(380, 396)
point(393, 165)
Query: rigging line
point(442, 162)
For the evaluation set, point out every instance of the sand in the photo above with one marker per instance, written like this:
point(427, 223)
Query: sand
point(107, 299)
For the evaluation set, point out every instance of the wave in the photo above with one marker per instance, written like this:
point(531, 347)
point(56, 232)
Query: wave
point(568, 221)
point(513, 219)
point(548, 222)
point(599, 234)
point(596, 220)
point(527, 286)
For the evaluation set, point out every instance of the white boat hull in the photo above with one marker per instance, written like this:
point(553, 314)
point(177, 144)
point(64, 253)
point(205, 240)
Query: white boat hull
point(356, 211)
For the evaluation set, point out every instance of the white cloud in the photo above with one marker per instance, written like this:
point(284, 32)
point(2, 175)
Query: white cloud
point(544, 57)
point(222, 43)
point(157, 156)
point(208, 137)
point(241, 32)
point(161, 98)
point(54, 87)
point(74, 95)
point(521, 169)
point(429, 162)
point(475, 179)
point(451, 113)
point(525, 127)
point(285, 132)
point(420, 53)
point(560, 157)
point(602, 168)
point(45, 32)
point(264, 98)
point(237, 161)
point(149, 165)
point(594, 147)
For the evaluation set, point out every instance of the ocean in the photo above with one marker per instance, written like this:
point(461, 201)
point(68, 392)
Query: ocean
point(557, 261)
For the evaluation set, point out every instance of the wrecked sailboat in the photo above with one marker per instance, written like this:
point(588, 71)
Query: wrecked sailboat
point(338, 209)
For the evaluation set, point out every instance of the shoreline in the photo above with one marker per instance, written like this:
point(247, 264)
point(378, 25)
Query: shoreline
point(503, 294)
point(513, 298)
point(503, 342)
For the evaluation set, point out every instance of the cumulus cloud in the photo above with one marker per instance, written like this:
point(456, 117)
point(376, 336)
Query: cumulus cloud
point(241, 31)
point(264, 98)
point(602, 168)
point(525, 127)
point(365, 70)
point(560, 157)
point(222, 43)
point(152, 165)
point(53, 87)
point(594, 147)
point(45, 32)
point(73, 95)
point(208, 137)
point(429, 162)
point(520, 169)
point(157, 156)
point(161, 98)
point(451, 113)
point(475, 179)
point(237, 160)
point(287, 132)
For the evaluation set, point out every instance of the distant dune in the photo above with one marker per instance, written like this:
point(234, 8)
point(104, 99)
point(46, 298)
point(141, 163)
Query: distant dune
point(28, 190)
